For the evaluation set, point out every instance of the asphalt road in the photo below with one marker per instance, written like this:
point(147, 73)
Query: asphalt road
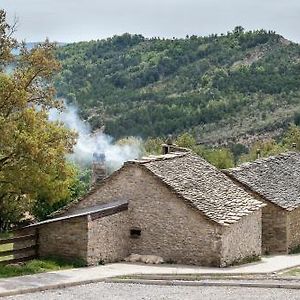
point(120, 291)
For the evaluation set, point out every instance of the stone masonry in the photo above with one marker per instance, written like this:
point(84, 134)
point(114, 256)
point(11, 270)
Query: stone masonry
point(64, 238)
point(108, 239)
point(171, 228)
point(274, 181)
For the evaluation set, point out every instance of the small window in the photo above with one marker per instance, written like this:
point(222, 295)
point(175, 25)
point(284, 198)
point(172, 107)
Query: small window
point(135, 233)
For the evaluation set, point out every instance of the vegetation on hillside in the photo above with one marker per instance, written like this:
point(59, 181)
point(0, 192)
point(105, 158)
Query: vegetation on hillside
point(234, 154)
point(216, 87)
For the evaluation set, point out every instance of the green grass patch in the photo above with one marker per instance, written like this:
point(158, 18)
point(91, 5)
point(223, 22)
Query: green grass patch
point(292, 272)
point(6, 247)
point(39, 266)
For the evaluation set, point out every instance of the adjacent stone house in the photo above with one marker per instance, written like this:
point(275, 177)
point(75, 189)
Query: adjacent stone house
point(276, 182)
point(176, 206)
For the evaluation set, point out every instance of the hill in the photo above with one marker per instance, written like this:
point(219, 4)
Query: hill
point(217, 87)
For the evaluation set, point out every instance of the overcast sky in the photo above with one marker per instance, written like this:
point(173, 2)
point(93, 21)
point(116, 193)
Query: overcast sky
point(76, 20)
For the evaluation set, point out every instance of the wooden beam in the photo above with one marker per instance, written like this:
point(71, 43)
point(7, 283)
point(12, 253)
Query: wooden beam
point(18, 239)
point(15, 251)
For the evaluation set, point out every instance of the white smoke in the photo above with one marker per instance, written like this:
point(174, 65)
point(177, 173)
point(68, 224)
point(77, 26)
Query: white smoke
point(89, 143)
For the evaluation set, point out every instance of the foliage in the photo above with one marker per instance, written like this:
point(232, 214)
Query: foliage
point(263, 148)
point(78, 186)
point(186, 140)
point(221, 158)
point(292, 137)
point(39, 266)
point(153, 145)
point(290, 141)
point(235, 83)
point(32, 149)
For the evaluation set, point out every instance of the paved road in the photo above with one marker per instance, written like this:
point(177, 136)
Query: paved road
point(120, 291)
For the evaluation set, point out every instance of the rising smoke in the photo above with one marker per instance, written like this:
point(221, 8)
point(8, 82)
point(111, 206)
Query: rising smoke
point(100, 143)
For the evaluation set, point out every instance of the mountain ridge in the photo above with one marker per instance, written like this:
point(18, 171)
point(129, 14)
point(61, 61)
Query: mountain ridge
point(220, 87)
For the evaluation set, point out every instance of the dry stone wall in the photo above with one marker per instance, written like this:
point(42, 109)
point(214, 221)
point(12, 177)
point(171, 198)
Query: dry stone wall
point(108, 239)
point(241, 241)
point(294, 230)
point(66, 238)
point(274, 233)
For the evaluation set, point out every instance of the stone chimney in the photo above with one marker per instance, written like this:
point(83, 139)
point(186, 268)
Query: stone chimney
point(98, 168)
point(169, 147)
point(166, 148)
point(258, 153)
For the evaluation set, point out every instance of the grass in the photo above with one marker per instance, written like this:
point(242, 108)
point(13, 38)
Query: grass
point(6, 247)
point(39, 266)
point(292, 272)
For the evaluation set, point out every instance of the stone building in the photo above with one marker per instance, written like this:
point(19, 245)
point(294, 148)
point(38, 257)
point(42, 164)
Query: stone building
point(276, 182)
point(176, 206)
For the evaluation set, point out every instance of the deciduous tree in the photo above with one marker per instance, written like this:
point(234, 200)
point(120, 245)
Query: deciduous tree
point(32, 149)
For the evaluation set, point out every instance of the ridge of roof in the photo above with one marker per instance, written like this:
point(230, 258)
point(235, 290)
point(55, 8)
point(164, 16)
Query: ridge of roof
point(262, 160)
point(151, 158)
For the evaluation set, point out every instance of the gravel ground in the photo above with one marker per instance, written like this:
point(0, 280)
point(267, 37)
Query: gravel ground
point(120, 291)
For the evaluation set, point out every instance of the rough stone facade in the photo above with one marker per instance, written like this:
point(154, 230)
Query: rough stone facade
point(242, 241)
point(274, 233)
point(293, 237)
point(108, 239)
point(66, 238)
point(169, 226)
point(275, 181)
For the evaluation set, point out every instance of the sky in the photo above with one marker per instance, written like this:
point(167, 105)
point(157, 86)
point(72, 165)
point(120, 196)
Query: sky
point(83, 20)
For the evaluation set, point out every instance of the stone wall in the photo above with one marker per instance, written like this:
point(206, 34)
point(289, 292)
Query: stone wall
point(293, 221)
point(242, 240)
point(169, 226)
point(108, 239)
point(274, 224)
point(66, 238)
point(274, 233)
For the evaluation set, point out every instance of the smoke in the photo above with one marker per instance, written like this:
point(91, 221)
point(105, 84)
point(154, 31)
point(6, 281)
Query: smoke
point(98, 142)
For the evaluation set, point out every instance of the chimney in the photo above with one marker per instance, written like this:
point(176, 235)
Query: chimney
point(169, 147)
point(166, 147)
point(258, 154)
point(98, 168)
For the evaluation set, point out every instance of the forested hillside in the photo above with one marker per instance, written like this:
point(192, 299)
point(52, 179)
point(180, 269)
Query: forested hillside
point(216, 87)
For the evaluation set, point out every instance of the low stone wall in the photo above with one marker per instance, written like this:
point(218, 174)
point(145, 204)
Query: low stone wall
point(293, 230)
point(241, 242)
point(108, 239)
point(66, 238)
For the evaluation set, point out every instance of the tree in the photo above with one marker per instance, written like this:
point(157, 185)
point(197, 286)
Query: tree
point(263, 148)
point(221, 158)
point(292, 137)
point(186, 140)
point(32, 149)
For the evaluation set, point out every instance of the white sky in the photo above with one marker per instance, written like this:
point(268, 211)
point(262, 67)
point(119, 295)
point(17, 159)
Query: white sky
point(75, 20)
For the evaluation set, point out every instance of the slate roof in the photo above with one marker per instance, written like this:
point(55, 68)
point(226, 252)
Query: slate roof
point(276, 178)
point(202, 185)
